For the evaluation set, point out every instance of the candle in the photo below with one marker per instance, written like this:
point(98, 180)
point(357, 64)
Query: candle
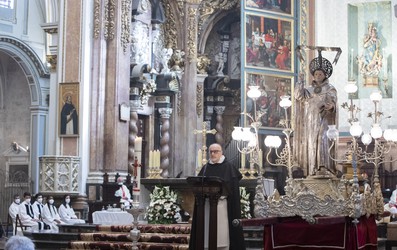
point(199, 158)
point(260, 158)
point(138, 144)
point(243, 161)
point(150, 159)
point(351, 63)
point(158, 158)
point(136, 190)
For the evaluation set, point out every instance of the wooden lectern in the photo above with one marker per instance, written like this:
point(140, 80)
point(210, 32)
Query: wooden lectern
point(211, 188)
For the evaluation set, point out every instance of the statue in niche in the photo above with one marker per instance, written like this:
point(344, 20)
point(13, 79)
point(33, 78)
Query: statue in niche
point(221, 59)
point(165, 57)
point(177, 62)
point(370, 62)
point(235, 60)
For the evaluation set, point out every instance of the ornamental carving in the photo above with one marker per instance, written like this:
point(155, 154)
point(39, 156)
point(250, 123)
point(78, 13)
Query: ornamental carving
point(303, 30)
point(203, 63)
point(97, 18)
point(169, 28)
point(125, 24)
point(199, 100)
point(110, 24)
point(192, 34)
point(140, 44)
point(208, 7)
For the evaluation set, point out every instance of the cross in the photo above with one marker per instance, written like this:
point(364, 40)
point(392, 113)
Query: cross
point(204, 133)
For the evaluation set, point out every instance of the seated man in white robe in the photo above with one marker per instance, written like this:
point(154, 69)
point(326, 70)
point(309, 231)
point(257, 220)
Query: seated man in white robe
point(67, 213)
point(26, 214)
point(14, 209)
point(51, 216)
point(124, 193)
point(38, 205)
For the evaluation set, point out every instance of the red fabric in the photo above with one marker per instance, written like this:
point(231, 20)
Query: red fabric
point(296, 233)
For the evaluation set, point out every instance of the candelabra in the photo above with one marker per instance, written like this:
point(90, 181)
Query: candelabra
point(284, 157)
point(247, 137)
point(356, 154)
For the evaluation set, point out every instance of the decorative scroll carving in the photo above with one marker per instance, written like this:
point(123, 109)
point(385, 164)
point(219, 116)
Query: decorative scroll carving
point(140, 43)
point(177, 62)
point(208, 7)
point(59, 173)
point(169, 28)
point(125, 24)
point(52, 60)
point(110, 10)
point(97, 18)
point(192, 34)
point(202, 64)
point(165, 114)
point(199, 100)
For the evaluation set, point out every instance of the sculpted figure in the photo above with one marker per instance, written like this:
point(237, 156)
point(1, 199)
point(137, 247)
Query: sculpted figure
point(316, 105)
point(176, 63)
point(202, 64)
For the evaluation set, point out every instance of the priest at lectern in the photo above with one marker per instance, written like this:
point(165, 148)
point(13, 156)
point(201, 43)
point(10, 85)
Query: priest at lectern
point(229, 237)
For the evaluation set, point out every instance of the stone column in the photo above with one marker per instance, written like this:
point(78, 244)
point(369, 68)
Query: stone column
point(219, 124)
point(135, 104)
point(165, 114)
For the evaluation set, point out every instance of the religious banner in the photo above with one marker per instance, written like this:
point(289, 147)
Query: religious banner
point(268, 42)
point(272, 88)
point(370, 47)
point(69, 109)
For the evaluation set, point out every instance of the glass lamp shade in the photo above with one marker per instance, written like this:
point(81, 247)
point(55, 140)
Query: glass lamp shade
point(388, 134)
point(394, 135)
point(272, 141)
point(252, 141)
point(332, 132)
point(254, 92)
point(376, 131)
point(351, 87)
point(285, 101)
point(246, 134)
point(237, 133)
point(356, 130)
point(366, 139)
point(375, 96)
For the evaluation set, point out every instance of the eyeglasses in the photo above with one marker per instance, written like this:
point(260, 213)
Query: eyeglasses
point(214, 151)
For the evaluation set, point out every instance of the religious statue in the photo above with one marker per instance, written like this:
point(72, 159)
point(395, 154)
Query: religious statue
point(203, 63)
point(165, 57)
point(370, 62)
point(221, 59)
point(316, 109)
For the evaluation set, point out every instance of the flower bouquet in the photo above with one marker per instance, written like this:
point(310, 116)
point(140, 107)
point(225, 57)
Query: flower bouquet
point(163, 207)
point(245, 204)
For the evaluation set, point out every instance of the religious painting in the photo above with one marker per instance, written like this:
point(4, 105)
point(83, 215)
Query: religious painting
point(272, 88)
point(69, 109)
point(17, 174)
point(269, 43)
point(279, 7)
point(370, 48)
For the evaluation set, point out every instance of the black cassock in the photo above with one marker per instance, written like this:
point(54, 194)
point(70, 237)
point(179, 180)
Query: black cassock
point(231, 176)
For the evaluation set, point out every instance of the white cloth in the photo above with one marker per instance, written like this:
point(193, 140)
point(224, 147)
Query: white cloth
point(222, 224)
point(26, 215)
point(51, 217)
point(393, 197)
point(37, 209)
point(112, 218)
point(68, 215)
point(125, 195)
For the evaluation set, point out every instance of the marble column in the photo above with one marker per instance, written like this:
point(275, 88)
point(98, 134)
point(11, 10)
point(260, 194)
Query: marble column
point(135, 104)
point(165, 114)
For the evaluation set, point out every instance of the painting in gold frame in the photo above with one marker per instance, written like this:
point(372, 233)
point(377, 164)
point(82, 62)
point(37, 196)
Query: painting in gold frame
point(272, 87)
point(279, 7)
point(69, 109)
point(268, 42)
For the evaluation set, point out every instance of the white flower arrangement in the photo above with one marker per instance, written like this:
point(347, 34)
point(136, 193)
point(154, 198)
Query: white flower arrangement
point(163, 207)
point(245, 203)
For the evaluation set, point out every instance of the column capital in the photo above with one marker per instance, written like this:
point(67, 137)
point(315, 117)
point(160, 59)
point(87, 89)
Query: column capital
point(165, 112)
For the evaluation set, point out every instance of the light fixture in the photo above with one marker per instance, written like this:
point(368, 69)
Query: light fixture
point(355, 129)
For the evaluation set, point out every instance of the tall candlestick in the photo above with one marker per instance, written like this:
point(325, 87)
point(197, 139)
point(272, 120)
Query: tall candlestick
point(351, 64)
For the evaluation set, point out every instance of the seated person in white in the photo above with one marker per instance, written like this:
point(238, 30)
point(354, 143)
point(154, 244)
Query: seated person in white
point(67, 213)
point(14, 209)
point(26, 214)
point(392, 205)
point(38, 205)
point(124, 193)
point(51, 216)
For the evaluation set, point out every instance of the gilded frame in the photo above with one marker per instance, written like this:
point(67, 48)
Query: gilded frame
point(268, 42)
point(272, 87)
point(69, 109)
point(283, 7)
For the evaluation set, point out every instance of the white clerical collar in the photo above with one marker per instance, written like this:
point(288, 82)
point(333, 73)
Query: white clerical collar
point(221, 160)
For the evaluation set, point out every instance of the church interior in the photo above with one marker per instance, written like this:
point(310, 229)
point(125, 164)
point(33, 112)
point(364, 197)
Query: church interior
point(132, 93)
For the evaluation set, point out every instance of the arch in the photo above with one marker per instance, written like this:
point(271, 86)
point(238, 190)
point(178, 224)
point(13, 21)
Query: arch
point(30, 64)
